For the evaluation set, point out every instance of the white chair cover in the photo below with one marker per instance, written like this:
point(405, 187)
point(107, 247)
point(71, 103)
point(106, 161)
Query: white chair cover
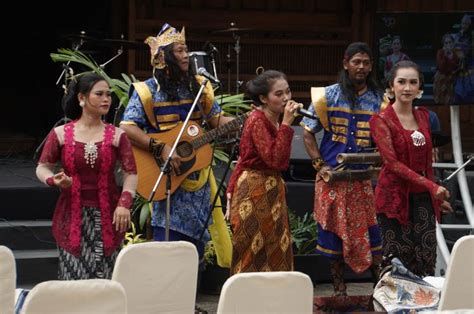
point(458, 289)
point(78, 296)
point(158, 277)
point(7, 280)
point(267, 292)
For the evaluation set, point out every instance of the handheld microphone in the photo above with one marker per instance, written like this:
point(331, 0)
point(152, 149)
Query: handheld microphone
point(202, 71)
point(306, 113)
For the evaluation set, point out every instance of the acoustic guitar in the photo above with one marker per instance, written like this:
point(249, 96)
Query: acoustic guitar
point(194, 150)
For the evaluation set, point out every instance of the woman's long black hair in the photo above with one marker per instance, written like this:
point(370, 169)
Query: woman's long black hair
point(82, 84)
point(171, 76)
point(347, 87)
point(262, 84)
point(405, 64)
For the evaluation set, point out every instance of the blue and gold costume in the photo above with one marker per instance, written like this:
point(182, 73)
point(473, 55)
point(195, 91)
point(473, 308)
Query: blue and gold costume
point(344, 211)
point(154, 110)
point(346, 129)
point(151, 110)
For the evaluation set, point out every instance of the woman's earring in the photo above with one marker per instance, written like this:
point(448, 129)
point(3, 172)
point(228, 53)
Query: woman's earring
point(81, 103)
point(389, 93)
point(420, 94)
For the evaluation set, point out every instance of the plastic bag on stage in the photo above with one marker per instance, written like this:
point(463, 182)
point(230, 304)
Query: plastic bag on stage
point(401, 291)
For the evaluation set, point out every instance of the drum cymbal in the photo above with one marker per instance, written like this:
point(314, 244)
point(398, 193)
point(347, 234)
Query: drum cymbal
point(122, 43)
point(233, 30)
point(81, 36)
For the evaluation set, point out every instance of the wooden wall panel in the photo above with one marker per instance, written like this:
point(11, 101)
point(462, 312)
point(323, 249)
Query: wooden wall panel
point(304, 38)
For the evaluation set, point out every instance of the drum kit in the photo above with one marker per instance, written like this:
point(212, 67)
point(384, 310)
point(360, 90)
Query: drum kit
point(197, 59)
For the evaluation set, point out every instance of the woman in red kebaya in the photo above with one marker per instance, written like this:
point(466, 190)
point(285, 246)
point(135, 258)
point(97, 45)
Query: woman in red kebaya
point(258, 212)
point(91, 213)
point(408, 201)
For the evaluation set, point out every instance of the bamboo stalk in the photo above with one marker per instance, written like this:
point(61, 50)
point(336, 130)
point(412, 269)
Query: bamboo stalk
point(360, 158)
point(350, 175)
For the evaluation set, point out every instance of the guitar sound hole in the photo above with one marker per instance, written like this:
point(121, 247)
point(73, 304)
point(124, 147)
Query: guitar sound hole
point(185, 149)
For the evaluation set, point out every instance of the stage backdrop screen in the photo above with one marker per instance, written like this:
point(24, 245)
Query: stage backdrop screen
point(440, 43)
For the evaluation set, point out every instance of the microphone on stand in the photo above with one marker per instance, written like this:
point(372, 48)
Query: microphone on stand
point(210, 48)
point(202, 71)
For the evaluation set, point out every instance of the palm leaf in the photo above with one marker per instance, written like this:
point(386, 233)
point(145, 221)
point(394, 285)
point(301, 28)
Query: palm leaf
point(119, 88)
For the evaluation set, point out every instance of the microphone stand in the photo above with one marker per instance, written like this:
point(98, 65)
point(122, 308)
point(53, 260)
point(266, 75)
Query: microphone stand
point(471, 158)
point(61, 121)
point(64, 119)
point(166, 168)
point(119, 53)
point(66, 67)
point(233, 154)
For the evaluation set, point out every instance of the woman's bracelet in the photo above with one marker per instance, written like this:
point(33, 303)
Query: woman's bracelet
point(318, 163)
point(50, 181)
point(126, 200)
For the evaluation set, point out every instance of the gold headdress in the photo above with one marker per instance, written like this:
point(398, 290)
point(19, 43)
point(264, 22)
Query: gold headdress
point(166, 36)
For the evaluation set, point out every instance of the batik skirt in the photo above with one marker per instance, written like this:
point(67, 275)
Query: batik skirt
point(347, 223)
point(261, 238)
point(92, 262)
point(414, 243)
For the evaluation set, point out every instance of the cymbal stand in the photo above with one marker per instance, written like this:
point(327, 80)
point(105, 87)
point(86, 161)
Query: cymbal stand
point(234, 153)
point(213, 61)
point(119, 53)
point(228, 69)
point(64, 119)
point(237, 53)
point(75, 47)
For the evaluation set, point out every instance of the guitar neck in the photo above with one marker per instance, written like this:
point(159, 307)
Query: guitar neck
point(214, 133)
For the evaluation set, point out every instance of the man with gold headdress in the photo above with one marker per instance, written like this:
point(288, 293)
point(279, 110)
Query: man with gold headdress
point(158, 105)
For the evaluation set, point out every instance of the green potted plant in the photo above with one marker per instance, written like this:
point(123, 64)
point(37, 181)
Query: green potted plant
point(304, 235)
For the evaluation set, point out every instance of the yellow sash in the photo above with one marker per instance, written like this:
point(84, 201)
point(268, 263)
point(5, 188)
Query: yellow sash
point(218, 230)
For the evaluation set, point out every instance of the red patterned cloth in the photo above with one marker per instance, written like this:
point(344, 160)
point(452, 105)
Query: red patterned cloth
point(406, 168)
point(347, 210)
point(90, 186)
point(259, 217)
point(352, 303)
point(262, 146)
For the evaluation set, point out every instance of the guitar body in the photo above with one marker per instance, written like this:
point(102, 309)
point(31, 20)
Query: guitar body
point(191, 160)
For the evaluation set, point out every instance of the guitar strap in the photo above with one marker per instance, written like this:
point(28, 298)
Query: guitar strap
point(147, 101)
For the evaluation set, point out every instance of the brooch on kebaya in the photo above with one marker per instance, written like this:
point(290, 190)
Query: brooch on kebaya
point(418, 138)
point(90, 154)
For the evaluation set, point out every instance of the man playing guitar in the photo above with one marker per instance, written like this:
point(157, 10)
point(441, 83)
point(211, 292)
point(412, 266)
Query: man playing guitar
point(158, 106)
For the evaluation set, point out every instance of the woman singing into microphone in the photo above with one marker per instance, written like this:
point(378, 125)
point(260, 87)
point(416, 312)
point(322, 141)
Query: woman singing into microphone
point(256, 192)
